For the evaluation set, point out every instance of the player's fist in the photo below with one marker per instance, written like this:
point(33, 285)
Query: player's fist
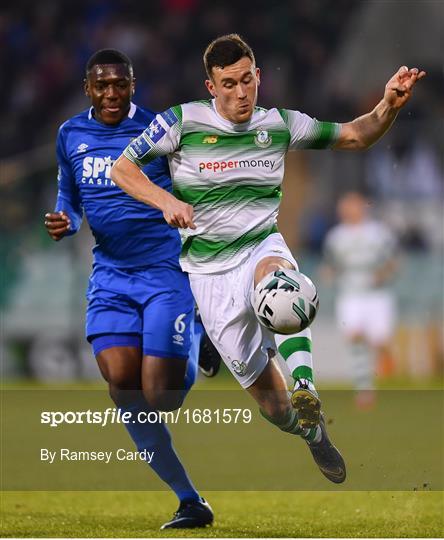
point(179, 214)
point(57, 224)
point(399, 88)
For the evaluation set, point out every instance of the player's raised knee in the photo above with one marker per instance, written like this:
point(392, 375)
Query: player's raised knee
point(270, 264)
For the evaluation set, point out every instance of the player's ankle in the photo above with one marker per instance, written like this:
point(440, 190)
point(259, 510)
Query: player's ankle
point(305, 384)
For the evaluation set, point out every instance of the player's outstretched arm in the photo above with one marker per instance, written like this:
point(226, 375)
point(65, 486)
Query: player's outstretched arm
point(369, 128)
point(57, 224)
point(131, 179)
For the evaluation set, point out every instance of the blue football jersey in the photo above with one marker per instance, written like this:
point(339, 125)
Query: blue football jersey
point(128, 233)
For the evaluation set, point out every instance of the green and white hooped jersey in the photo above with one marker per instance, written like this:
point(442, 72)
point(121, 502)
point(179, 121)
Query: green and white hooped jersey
point(230, 173)
point(356, 252)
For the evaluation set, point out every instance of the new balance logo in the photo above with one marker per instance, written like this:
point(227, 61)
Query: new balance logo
point(210, 139)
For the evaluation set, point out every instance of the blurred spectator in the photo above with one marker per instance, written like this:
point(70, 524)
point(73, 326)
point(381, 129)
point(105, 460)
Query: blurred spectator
point(407, 169)
point(306, 51)
point(45, 45)
point(407, 179)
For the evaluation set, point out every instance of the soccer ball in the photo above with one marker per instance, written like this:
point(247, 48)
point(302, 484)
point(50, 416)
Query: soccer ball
point(285, 301)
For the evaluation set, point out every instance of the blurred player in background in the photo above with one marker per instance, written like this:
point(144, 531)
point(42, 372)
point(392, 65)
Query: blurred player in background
point(227, 164)
point(361, 254)
point(140, 307)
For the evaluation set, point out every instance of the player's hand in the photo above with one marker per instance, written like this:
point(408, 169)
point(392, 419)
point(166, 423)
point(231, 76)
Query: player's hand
point(399, 88)
point(57, 224)
point(179, 214)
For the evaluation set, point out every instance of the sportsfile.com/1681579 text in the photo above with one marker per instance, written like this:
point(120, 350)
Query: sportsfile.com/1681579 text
point(116, 416)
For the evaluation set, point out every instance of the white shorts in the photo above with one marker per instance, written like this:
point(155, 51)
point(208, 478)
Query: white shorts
point(370, 314)
point(225, 305)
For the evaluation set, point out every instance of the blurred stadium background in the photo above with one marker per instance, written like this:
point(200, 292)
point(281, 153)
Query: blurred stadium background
point(329, 58)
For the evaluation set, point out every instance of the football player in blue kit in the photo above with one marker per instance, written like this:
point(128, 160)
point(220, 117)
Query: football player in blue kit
point(140, 308)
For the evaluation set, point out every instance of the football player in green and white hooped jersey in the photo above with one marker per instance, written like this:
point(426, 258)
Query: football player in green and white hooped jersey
point(226, 158)
point(361, 253)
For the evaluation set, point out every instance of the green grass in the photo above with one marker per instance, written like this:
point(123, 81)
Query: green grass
point(238, 514)
point(414, 513)
point(225, 381)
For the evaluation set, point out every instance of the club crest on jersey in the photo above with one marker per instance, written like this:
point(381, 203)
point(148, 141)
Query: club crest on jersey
point(210, 139)
point(262, 138)
point(239, 367)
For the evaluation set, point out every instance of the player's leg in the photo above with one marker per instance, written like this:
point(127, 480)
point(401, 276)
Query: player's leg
point(380, 318)
point(209, 357)
point(168, 371)
point(237, 334)
point(163, 381)
point(351, 318)
point(305, 419)
point(240, 341)
point(295, 350)
point(363, 370)
point(121, 368)
point(269, 387)
point(120, 360)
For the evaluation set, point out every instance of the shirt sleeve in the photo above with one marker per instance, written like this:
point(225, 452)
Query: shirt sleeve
point(160, 138)
point(309, 133)
point(68, 197)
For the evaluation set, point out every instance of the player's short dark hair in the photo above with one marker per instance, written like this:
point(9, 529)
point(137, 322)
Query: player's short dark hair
point(109, 56)
point(224, 51)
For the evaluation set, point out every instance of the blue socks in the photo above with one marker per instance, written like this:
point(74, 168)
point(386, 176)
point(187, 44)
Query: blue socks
point(165, 462)
point(155, 437)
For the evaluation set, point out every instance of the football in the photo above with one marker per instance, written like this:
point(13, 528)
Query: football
point(285, 301)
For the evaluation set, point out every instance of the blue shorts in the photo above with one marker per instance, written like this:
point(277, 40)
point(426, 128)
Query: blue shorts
point(154, 303)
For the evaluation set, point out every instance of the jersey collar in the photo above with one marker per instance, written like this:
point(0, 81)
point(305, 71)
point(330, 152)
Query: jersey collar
point(242, 126)
point(132, 110)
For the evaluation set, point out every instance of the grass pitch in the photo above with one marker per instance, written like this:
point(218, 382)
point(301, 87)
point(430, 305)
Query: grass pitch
point(113, 514)
point(238, 514)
